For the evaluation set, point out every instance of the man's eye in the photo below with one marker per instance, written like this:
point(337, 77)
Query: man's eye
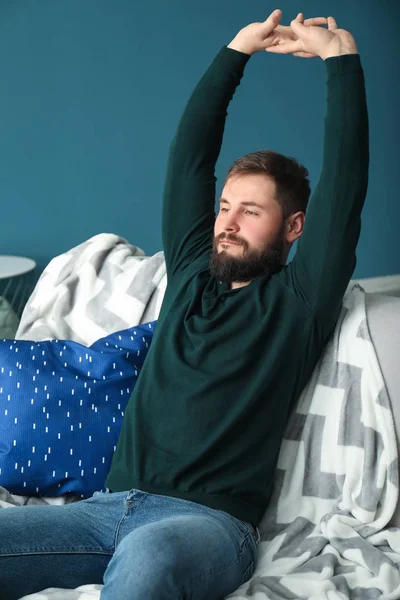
point(251, 212)
point(223, 209)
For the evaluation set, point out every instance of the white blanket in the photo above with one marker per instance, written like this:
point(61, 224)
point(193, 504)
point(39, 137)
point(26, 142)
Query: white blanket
point(99, 287)
point(83, 592)
point(324, 533)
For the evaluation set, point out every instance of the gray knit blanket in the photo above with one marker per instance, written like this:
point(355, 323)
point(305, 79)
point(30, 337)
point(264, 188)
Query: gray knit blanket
point(324, 534)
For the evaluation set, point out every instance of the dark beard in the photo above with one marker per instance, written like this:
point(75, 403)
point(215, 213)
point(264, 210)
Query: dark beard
point(253, 263)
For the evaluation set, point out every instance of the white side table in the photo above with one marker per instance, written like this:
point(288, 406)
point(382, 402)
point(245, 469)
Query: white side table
point(13, 291)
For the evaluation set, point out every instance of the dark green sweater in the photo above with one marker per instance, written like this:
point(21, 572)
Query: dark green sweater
point(207, 415)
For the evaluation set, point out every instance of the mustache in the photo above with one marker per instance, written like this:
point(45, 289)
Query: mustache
point(232, 238)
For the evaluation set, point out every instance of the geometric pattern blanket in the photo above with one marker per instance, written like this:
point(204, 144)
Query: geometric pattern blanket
point(324, 534)
point(99, 287)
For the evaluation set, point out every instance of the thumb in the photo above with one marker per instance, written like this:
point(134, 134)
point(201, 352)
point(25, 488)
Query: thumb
point(297, 26)
point(273, 19)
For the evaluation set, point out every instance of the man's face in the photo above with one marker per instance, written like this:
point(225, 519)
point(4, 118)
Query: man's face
point(248, 232)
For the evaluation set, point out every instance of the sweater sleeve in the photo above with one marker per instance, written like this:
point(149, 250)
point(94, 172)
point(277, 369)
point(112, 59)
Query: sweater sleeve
point(189, 193)
point(326, 254)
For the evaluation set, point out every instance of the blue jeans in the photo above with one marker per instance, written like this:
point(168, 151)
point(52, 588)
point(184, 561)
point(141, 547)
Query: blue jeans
point(142, 546)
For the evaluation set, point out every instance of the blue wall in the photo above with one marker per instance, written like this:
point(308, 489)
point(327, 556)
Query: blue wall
point(91, 92)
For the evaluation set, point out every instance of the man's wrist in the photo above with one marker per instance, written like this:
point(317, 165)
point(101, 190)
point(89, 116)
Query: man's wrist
point(338, 54)
point(236, 45)
point(344, 47)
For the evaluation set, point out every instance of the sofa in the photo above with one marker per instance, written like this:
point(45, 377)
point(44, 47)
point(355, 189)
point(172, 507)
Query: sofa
point(339, 540)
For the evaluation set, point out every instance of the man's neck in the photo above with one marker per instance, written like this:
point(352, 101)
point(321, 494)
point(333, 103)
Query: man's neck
point(239, 284)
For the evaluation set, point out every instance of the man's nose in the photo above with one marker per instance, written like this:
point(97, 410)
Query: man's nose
point(231, 223)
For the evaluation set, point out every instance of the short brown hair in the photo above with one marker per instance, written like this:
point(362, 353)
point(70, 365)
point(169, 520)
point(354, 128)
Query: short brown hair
point(291, 178)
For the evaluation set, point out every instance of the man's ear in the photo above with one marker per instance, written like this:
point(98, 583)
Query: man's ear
point(294, 227)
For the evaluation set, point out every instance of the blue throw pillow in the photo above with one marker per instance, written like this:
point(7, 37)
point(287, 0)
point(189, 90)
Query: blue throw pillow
point(61, 410)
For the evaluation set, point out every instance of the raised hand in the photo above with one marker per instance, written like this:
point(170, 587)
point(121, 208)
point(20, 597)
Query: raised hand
point(261, 36)
point(312, 40)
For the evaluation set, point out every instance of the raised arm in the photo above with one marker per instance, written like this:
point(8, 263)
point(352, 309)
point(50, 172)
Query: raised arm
point(189, 193)
point(326, 253)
